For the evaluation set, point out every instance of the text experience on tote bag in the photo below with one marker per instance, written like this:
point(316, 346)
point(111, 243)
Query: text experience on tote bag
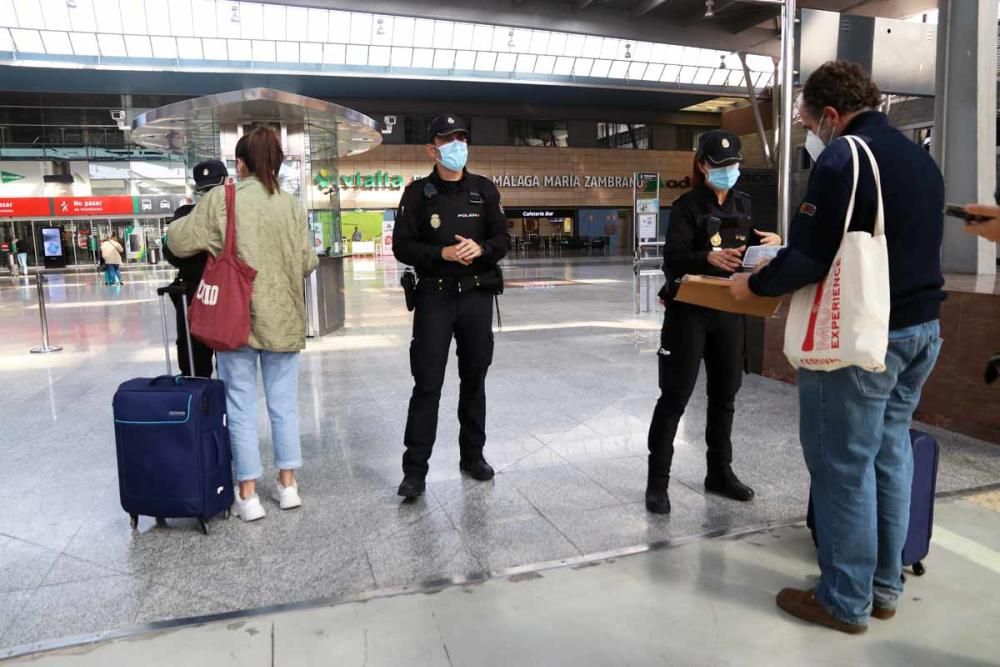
point(844, 319)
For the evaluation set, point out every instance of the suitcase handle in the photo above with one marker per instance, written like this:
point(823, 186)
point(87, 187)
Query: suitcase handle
point(177, 379)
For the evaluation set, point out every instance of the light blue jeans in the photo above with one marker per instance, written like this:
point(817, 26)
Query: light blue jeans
point(238, 369)
point(854, 427)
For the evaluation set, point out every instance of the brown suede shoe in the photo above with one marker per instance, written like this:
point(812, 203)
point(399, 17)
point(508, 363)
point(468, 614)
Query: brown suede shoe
point(804, 605)
point(883, 613)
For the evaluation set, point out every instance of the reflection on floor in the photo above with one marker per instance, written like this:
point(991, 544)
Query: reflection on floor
point(570, 391)
point(708, 602)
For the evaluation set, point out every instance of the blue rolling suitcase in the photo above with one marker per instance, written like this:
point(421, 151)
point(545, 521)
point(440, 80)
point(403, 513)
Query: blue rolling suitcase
point(174, 458)
point(926, 452)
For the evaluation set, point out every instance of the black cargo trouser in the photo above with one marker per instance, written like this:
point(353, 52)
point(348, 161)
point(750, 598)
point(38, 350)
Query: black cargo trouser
point(441, 314)
point(201, 353)
point(691, 333)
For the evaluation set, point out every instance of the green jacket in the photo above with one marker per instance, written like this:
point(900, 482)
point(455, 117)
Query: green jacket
point(271, 236)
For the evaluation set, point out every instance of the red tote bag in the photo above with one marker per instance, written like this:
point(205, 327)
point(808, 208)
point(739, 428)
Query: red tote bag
point(220, 312)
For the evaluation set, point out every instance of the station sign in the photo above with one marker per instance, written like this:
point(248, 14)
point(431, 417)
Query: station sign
point(25, 207)
point(157, 205)
point(89, 206)
point(550, 213)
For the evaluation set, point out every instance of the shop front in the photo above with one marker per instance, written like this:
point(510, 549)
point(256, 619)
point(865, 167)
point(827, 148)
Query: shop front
point(59, 232)
point(555, 199)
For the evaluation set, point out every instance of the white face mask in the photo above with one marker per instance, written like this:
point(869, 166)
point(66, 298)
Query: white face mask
point(814, 144)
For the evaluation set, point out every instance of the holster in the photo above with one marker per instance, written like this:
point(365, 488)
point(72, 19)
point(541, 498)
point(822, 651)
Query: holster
point(409, 284)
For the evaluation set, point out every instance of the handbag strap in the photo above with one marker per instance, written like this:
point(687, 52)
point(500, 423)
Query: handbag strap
point(229, 246)
point(854, 142)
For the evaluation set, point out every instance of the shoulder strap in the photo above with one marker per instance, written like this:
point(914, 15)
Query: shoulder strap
point(230, 242)
point(854, 142)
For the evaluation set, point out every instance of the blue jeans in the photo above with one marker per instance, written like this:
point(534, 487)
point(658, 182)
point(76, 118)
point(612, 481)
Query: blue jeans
point(112, 275)
point(854, 427)
point(238, 369)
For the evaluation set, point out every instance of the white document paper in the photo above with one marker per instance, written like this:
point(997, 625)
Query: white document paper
point(756, 254)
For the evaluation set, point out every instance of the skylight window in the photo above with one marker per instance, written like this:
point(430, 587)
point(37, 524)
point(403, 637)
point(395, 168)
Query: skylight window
point(263, 32)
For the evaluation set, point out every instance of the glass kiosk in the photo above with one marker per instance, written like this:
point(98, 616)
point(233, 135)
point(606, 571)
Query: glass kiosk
point(313, 134)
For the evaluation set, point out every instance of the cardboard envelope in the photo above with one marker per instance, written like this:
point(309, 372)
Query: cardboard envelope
point(712, 292)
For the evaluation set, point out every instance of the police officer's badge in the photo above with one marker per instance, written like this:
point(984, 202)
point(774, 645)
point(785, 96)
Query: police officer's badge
point(436, 221)
point(716, 240)
point(725, 143)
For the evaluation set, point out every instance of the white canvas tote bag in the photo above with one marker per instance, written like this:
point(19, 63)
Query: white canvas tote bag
point(844, 319)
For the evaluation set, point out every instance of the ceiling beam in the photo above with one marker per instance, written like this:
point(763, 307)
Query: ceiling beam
point(646, 7)
point(580, 5)
point(746, 20)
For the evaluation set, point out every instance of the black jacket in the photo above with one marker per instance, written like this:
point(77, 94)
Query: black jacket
point(691, 235)
point(190, 269)
point(432, 211)
point(913, 196)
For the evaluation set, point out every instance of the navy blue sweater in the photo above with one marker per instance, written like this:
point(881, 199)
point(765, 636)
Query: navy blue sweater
point(913, 195)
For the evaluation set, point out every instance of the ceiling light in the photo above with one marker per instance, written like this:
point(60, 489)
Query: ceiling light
point(380, 30)
point(722, 62)
point(709, 8)
point(628, 52)
point(235, 16)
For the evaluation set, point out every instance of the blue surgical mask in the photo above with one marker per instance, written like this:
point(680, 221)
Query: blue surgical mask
point(454, 155)
point(724, 178)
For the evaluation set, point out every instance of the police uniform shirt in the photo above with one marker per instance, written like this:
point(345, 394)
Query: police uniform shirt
point(433, 211)
point(692, 235)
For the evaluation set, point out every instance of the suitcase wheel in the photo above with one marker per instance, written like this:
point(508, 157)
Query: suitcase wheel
point(918, 569)
point(161, 522)
point(227, 514)
point(134, 521)
point(203, 522)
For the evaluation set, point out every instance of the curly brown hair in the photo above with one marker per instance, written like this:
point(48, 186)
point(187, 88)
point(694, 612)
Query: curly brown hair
point(842, 85)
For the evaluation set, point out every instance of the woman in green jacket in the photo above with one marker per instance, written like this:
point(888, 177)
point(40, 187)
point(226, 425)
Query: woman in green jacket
point(272, 236)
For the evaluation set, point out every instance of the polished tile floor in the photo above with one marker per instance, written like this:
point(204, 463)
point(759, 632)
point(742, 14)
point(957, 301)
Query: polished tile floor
point(571, 390)
point(703, 603)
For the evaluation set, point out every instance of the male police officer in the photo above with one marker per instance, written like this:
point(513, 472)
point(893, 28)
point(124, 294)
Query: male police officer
point(207, 175)
point(451, 228)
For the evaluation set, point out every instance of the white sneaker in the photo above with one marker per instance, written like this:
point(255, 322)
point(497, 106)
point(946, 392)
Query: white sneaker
point(249, 509)
point(287, 496)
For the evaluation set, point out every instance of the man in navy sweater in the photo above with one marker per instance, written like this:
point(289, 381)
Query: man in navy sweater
point(854, 424)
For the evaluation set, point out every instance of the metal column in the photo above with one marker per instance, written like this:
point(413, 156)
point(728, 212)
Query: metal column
point(785, 136)
point(765, 144)
point(964, 135)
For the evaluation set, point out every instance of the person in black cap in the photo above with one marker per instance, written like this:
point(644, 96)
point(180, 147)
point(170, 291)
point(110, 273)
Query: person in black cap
point(451, 228)
point(710, 228)
point(207, 175)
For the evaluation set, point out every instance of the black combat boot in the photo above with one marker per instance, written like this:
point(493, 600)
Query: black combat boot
point(413, 487)
point(478, 469)
point(724, 482)
point(657, 498)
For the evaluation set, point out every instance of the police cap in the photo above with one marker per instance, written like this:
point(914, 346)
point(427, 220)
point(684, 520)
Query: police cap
point(209, 173)
point(719, 148)
point(446, 124)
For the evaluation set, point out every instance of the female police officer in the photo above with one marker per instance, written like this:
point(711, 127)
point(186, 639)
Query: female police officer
point(710, 228)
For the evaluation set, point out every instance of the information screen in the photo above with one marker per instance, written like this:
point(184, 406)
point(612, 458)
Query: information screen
point(52, 241)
